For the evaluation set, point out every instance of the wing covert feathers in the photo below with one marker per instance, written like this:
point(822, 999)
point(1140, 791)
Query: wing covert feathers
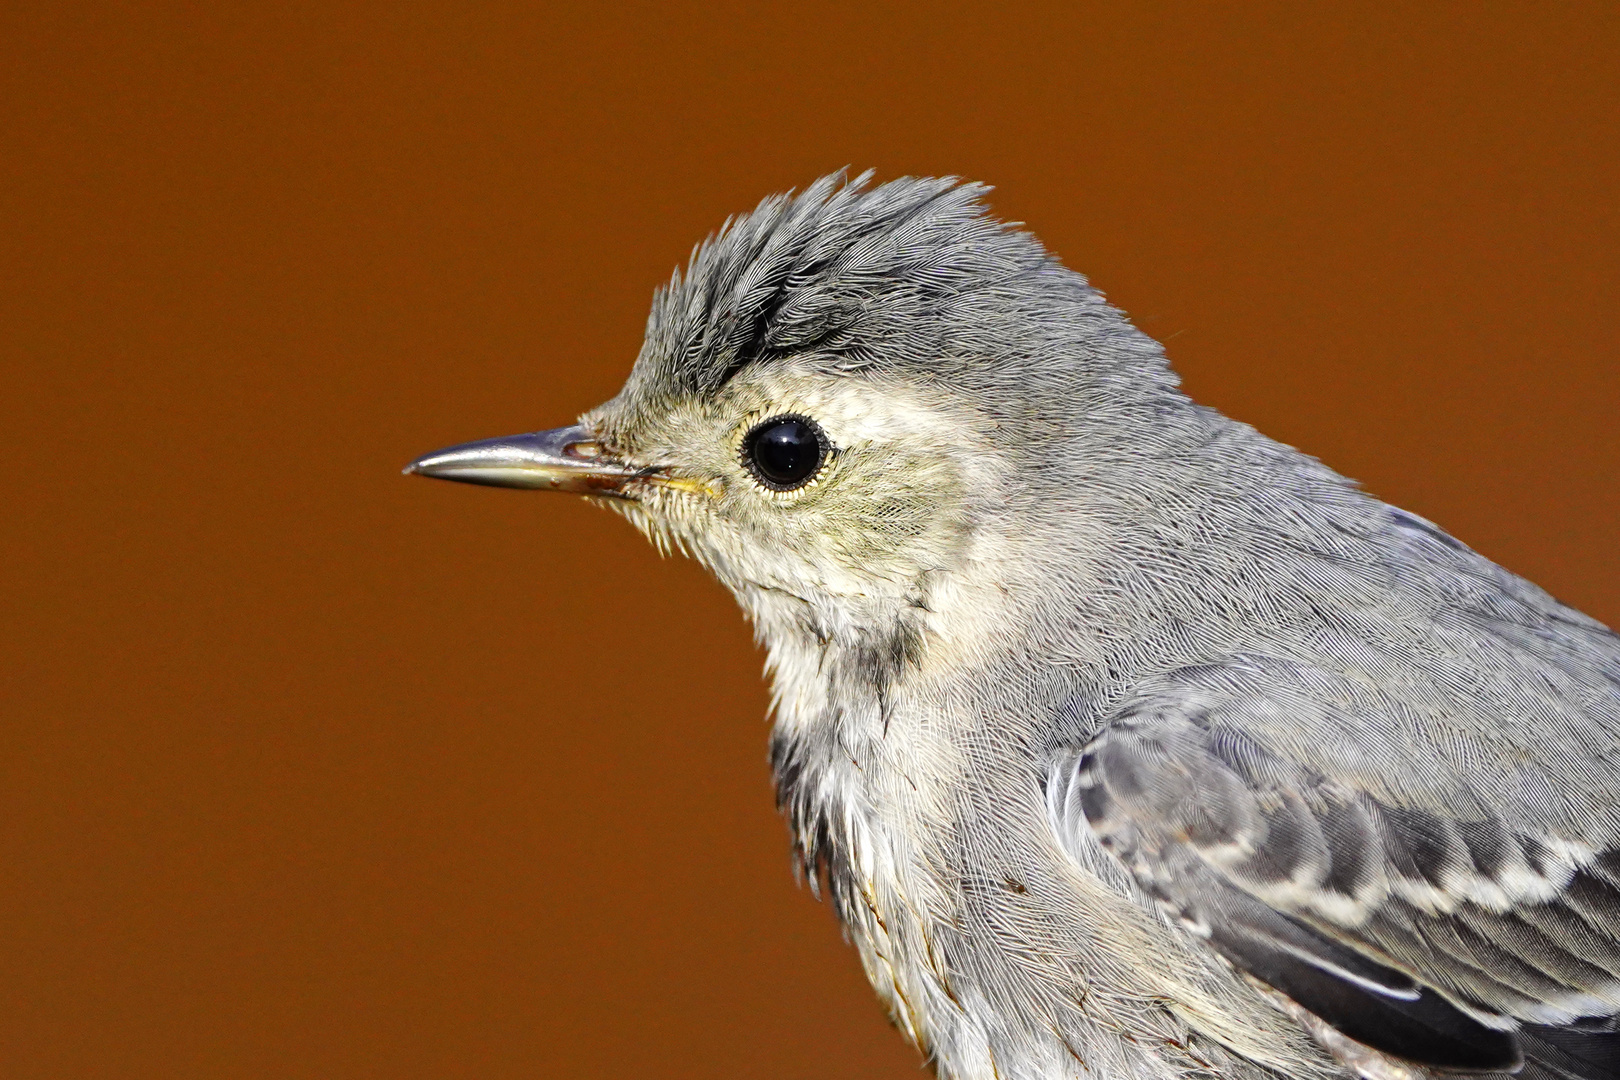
point(1429, 937)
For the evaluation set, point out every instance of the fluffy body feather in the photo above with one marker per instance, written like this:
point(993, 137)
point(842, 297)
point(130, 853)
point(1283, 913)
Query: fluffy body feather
point(1128, 742)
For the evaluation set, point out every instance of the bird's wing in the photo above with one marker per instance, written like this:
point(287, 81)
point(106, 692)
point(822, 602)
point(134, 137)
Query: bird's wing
point(1427, 930)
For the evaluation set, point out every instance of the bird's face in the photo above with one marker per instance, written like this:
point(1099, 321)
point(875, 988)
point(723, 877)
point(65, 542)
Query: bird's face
point(832, 504)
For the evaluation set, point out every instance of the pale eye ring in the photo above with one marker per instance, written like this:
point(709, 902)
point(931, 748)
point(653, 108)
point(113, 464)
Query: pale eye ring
point(785, 452)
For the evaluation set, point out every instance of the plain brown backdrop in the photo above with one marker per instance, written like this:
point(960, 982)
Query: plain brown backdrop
point(310, 770)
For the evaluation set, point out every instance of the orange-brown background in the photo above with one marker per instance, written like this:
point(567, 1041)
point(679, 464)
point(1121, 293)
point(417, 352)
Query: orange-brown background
point(309, 770)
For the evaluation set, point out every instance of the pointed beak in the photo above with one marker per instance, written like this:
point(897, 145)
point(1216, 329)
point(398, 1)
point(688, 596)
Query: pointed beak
point(562, 459)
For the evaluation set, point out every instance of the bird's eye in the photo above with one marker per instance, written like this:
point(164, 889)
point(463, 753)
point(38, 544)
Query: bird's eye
point(785, 452)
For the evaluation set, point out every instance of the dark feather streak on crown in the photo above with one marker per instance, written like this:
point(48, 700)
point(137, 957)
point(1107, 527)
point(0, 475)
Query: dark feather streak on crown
point(794, 275)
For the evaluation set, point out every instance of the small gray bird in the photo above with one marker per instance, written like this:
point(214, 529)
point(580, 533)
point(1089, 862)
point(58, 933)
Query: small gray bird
point(1128, 742)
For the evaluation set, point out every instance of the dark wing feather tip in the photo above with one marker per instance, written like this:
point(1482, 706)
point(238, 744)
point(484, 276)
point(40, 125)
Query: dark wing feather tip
point(1426, 1030)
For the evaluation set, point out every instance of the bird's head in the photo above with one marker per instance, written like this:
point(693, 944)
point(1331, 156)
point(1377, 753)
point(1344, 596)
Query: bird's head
point(850, 405)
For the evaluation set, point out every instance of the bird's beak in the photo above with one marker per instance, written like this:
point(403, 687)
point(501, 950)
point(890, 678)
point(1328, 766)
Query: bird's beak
point(562, 459)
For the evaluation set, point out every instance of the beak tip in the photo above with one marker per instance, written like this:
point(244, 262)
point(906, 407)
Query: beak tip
point(540, 460)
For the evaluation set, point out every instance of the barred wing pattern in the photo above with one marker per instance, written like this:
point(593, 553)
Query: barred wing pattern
point(1459, 941)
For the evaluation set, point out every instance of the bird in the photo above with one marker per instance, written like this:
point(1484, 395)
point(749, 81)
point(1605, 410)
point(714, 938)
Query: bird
point(1124, 740)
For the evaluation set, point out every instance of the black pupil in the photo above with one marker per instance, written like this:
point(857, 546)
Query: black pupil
point(786, 452)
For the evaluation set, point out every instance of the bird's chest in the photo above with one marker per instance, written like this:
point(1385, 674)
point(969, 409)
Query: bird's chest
point(866, 786)
point(925, 826)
